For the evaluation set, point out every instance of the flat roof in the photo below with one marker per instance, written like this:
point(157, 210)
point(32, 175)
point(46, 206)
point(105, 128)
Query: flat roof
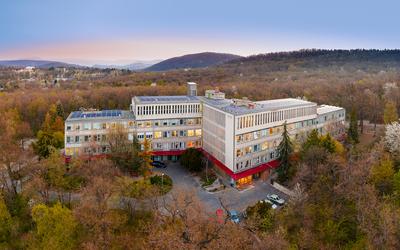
point(323, 109)
point(228, 106)
point(99, 115)
point(166, 99)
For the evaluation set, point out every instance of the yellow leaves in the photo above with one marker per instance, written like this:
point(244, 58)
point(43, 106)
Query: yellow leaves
point(382, 173)
point(55, 227)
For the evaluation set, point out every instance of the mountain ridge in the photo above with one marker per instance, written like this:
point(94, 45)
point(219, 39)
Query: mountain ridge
point(197, 60)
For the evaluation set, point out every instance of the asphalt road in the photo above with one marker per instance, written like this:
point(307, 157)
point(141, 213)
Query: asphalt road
point(231, 197)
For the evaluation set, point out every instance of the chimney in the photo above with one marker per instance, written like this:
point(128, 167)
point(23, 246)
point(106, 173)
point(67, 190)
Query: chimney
point(192, 89)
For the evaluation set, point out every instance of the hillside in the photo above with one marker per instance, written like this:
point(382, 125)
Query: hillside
point(44, 64)
point(199, 60)
point(319, 59)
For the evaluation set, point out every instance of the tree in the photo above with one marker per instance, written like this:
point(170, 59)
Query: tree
point(51, 136)
point(392, 138)
point(124, 153)
point(47, 142)
point(328, 143)
point(56, 227)
point(145, 154)
point(285, 149)
point(390, 113)
point(191, 159)
point(5, 222)
point(260, 216)
point(381, 175)
point(353, 128)
point(60, 109)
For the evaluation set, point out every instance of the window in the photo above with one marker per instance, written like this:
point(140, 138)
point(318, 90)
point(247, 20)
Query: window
point(96, 125)
point(272, 155)
point(104, 125)
point(264, 146)
point(190, 132)
point(198, 132)
point(157, 134)
point(69, 127)
point(86, 138)
point(149, 135)
point(86, 126)
point(77, 138)
point(68, 139)
point(140, 136)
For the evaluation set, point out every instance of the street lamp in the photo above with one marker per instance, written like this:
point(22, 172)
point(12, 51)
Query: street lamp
point(162, 181)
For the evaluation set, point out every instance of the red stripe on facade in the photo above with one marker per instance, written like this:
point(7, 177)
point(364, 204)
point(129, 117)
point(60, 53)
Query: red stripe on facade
point(258, 169)
point(172, 152)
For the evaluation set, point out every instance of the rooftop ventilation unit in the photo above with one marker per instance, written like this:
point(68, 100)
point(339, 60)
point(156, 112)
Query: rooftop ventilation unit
point(214, 94)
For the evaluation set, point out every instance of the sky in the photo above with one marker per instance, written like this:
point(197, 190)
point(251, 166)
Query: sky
point(123, 31)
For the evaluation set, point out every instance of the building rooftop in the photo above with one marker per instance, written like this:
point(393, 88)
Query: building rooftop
point(99, 115)
point(323, 109)
point(227, 105)
point(165, 99)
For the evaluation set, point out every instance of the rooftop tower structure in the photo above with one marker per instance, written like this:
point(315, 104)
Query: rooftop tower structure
point(192, 89)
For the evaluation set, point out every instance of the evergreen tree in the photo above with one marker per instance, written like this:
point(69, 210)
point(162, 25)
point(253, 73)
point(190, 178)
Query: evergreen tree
point(145, 154)
point(313, 139)
point(353, 128)
point(191, 159)
point(285, 149)
point(390, 113)
point(60, 109)
point(328, 143)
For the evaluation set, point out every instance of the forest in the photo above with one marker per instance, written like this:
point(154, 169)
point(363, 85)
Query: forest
point(347, 194)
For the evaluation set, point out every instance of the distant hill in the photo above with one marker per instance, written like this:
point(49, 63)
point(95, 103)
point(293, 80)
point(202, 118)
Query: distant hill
point(318, 59)
point(199, 60)
point(135, 65)
point(37, 63)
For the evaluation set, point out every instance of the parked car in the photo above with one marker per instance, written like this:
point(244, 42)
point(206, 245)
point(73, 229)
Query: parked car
point(158, 164)
point(274, 198)
point(234, 216)
point(273, 205)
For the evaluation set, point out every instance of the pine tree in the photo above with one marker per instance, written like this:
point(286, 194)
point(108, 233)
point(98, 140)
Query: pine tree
point(353, 128)
point(313, 139)
point(285, 149)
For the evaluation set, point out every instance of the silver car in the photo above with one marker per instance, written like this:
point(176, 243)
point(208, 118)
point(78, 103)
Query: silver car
point(274, 198)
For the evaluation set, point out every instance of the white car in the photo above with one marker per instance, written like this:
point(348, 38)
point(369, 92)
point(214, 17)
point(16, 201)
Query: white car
point(274, 198)
point(273, 206)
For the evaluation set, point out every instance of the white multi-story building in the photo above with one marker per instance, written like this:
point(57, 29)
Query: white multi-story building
point(238, 135)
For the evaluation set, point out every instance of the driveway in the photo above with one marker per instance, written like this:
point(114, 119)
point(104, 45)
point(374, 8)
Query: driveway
point(231, 197)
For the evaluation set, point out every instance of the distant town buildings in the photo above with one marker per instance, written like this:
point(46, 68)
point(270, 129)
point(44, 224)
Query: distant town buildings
point(239, 136)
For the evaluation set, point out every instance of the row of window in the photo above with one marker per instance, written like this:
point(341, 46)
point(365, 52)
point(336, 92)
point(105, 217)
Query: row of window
point(268, 117)
point(168, 109)
point(272, 131)
point(256, 161)
point(169, 122)
point(131, 124)
point(160, 146)
point(256, 148)
point(140, 136)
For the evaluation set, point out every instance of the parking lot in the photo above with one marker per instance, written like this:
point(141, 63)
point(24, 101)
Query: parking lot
point(231, 197)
